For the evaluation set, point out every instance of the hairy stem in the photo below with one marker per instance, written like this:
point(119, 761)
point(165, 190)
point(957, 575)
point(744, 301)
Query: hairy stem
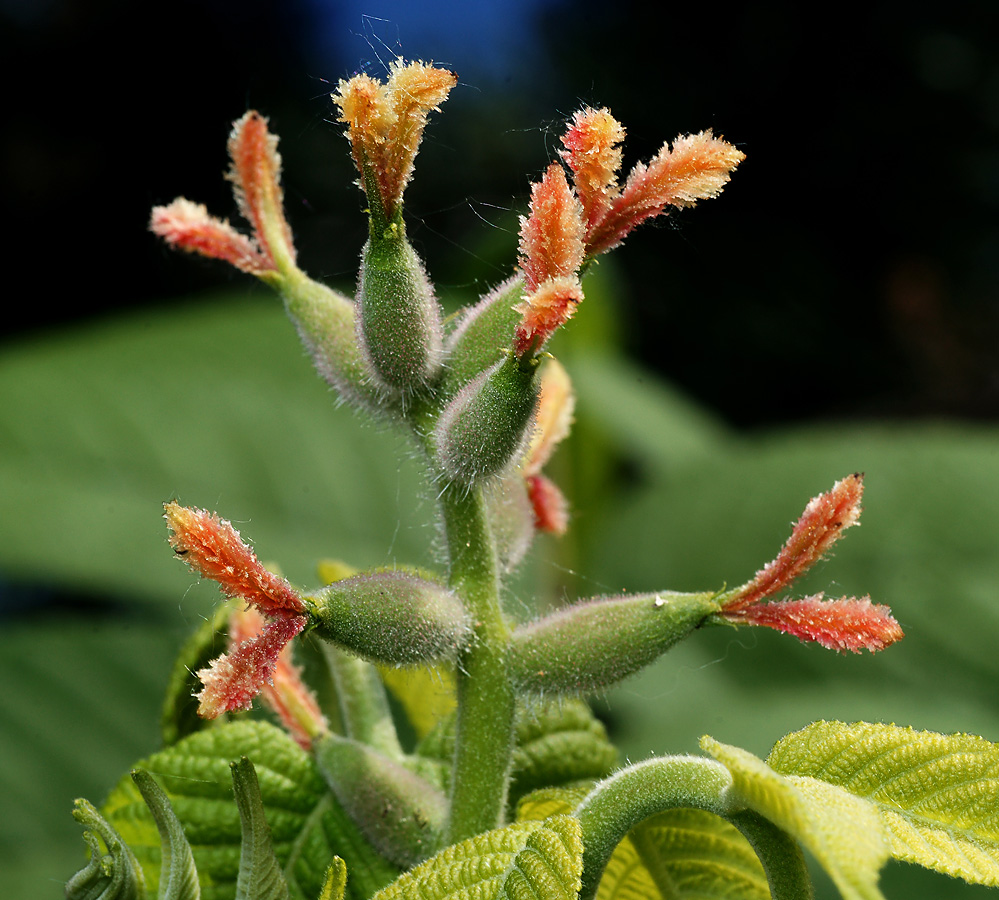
point(614, 806)
point(484, 739)
point(780, 855)
point(364, 707)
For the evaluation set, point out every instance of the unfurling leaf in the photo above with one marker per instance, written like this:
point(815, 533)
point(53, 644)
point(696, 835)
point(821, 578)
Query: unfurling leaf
point(178, 874)
point(113, 872)
point(843, 832)
point(938, 794)
point(260, 876)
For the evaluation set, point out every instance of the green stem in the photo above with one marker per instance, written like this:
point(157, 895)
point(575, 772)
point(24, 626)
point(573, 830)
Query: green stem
point(364, 707)
point(616, 805)
point(780, 855)
point(484, 739)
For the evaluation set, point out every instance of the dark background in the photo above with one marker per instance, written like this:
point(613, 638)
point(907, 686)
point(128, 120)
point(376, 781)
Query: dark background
point(850, 269)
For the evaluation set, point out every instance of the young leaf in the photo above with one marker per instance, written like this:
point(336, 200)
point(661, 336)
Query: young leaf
point(937, 794)
point(114, 875)
point(527, 859)
point(844, 832)
point(552, 801)
point(558, 743)
point(308, 825)
point(178, 875)
point(336, 880)
point(680, 854)
point(260, 876)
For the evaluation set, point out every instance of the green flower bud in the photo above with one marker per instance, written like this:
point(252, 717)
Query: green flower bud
point(485, 426)
point(324, 319)
point(399, 322)
point(482, 334)
point(390, 617)
point(401, 814)
point(592, 645)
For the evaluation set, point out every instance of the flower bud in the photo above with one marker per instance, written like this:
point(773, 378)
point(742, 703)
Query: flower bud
point(390, 617)
point(592, 645)
point(401, 814)
point(483, 333)
point(324, 319)
point(399, 321)
point(484, 427)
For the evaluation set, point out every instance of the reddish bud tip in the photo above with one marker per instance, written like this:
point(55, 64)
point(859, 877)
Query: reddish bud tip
point(255, 174)
point(213, 548)
point(696, 168)
point(825, 518)
point(284, 692)
point(188, 226)
point(551, 509)
point(385, 124)
point(845, 624)
point(593, 153)
point(551, 238)
point(235, 678)
point(544, 311)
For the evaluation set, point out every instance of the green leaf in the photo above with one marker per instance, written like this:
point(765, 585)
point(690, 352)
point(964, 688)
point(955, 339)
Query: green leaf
point(307, 824)
point(540, 804)
point(178, 874)
point(260, 875)
point(844, 832)
point(681, 855)
point(559, 742)
point(938, 794)
point(111, 875)
point(336, 880)
point(524, 861)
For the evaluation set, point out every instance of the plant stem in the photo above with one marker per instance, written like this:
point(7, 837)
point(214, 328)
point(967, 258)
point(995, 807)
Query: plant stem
point(615, 805)
point(484, 739)
point(780, 855)
point(364, 708)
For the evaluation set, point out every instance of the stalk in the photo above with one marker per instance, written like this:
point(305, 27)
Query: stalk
point(620, 802)
point(484, 739)
point(364, 707)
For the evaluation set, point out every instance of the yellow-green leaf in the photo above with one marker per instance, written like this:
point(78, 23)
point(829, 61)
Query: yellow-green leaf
point(336, 880)
point(938, 794)
point(684, 854)
point(426, 693)
point(523, 861)
point(844, 832)
point(552, 801)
